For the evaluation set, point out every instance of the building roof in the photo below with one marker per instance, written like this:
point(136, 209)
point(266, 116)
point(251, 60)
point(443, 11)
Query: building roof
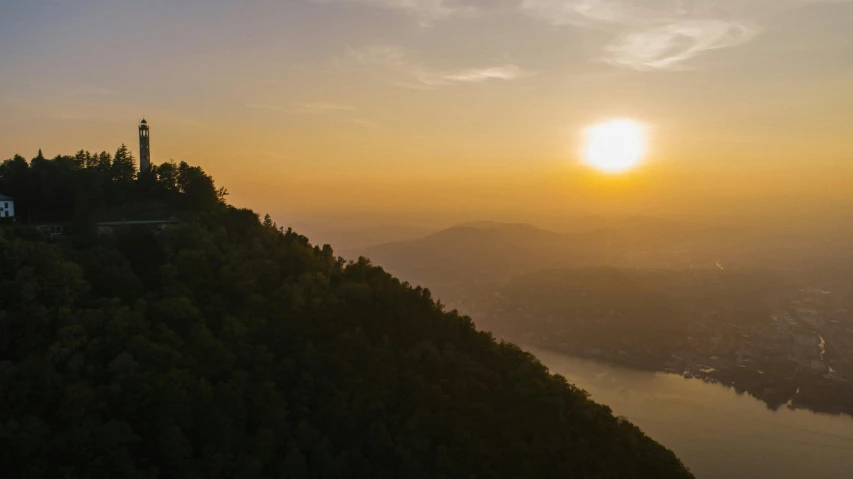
point(5, 198)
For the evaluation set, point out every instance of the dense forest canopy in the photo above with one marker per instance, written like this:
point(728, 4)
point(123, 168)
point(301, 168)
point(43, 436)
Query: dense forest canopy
point(225, 346)
point(100, 186)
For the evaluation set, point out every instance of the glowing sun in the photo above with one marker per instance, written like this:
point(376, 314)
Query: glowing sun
point(614, 146)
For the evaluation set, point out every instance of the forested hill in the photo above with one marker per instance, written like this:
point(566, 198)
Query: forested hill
point(226, 347)
point(87, 187)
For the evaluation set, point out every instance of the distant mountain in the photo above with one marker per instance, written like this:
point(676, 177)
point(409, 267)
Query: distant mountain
point(512, 228)
point(352, 241)
point(470, 252)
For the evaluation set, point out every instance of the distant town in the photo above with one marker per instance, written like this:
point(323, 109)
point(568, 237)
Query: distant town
point(795, 351)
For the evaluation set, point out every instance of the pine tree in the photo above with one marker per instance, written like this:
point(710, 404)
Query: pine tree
point(123, 167)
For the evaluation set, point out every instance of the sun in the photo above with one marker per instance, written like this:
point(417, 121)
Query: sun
point(614, 146)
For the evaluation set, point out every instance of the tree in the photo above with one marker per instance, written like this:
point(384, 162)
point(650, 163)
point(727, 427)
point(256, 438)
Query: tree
point(166, 177)
point(105, 162)
point(98, 187)
point(197, 187)
point(15, 181)
point(123, 168)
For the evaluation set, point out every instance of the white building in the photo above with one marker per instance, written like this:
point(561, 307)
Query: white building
point(7, 207)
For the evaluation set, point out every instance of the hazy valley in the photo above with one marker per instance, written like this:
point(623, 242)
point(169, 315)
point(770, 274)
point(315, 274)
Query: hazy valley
point(747, 307)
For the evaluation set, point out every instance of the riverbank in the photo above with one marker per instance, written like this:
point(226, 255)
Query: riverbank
point(718, 433)
point(773, 386)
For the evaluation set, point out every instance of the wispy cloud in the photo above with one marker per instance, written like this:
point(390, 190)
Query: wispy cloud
point(670, 46)
point(651, 34)
point(397, 63)
point(325, 107)
point(363, 122)
point(315, 107)
point(426, 11)
point(335, 111)
point(261, 106)
point(505, 72)
point(582, 12)
point(96, 91)
point(639, 34)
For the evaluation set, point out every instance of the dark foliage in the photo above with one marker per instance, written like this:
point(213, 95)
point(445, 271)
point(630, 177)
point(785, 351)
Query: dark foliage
point(88, 187)
point(226, 347)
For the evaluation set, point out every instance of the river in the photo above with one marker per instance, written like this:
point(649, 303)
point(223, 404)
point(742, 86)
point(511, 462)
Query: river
point(716, 432)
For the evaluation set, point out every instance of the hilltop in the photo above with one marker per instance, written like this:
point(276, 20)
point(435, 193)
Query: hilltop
point(226, 346)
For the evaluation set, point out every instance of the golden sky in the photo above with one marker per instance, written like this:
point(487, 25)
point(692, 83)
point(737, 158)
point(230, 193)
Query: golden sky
point(470, 106)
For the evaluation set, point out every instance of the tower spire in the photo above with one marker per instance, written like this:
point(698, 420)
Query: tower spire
point(144, 146)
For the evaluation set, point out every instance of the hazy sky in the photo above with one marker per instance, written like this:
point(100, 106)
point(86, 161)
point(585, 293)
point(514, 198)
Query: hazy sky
point(464, 106)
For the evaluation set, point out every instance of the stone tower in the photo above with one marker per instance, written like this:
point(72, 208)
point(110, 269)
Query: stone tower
point(144, 147)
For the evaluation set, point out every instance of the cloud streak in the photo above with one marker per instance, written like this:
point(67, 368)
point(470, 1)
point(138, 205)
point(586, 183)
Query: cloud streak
point(669, 46)
point(582, 12)
point(263, 106)
point(325, 107)
point(651, 34)
point(639, 34)
point(320, 107)
point(505, 72)
point(397, 63)
point(365, 123)
point(427, 11)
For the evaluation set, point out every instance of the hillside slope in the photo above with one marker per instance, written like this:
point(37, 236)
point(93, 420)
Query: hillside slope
point(226, 347)
point(229, 349)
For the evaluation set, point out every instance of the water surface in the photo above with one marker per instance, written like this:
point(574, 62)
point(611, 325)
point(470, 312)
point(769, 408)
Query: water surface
point(716, 432)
